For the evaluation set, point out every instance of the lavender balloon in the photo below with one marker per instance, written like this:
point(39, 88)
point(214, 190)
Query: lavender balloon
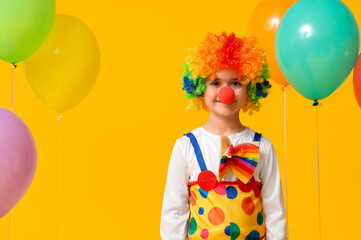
point(17, 160)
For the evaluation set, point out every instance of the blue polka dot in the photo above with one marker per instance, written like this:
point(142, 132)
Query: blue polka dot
point(227, 230)
point(231, 192)
point(201, 211)
point(203, 193)
point(254, 235)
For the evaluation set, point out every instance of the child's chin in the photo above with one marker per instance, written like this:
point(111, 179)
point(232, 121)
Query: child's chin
point(224, 111)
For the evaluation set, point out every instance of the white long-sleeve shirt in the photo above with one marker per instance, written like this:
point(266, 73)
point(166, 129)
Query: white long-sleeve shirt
point(184, 168)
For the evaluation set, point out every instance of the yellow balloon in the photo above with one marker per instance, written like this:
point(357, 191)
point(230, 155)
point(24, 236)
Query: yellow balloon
point(64, 69)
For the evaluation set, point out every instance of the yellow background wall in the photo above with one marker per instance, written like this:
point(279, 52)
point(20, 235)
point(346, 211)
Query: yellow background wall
point(117, 142)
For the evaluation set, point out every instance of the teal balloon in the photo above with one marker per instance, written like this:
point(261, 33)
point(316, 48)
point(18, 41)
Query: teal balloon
point(316, 45)
point(24, 26)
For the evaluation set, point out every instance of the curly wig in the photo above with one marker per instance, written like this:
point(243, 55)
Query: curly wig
point(217, 53)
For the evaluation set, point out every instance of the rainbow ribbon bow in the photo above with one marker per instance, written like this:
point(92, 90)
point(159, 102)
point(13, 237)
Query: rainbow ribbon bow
point(242, 159)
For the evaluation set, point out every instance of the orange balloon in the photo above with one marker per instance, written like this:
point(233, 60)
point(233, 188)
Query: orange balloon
point(263, 25)
point(357, 80)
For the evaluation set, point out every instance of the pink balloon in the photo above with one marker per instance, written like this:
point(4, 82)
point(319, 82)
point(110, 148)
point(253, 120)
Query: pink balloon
point(17, 160)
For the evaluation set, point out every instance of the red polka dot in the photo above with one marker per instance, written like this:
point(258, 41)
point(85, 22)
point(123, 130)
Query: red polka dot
point(220, 189)
point(204, 233)
point(248, 205)
point(216, 216)
point(193, 198)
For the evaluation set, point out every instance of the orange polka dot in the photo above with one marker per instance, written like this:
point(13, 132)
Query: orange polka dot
point(193, 198)
point(216, 216)
point(248, 205)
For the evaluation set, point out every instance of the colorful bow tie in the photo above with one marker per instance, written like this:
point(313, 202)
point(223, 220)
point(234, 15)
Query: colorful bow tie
point(242, 159)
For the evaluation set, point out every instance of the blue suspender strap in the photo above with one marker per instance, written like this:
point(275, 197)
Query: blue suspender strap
point(257, 137)
point(197, 151)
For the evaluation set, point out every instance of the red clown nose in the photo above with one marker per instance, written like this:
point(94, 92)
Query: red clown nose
point(226, 95)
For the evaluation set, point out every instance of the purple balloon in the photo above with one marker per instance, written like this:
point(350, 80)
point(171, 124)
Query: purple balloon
point(17, 160)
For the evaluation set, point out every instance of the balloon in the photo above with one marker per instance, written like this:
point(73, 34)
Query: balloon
point(17, 160)
point(317, 44)
point(64, 69)
point(357, 81)
point(24, 26)
point(263, 25)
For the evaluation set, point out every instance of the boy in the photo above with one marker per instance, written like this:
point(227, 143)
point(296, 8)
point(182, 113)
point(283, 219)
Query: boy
point(223, 178)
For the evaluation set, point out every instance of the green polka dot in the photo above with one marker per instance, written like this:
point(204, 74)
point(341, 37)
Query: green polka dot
point(235, 231)
point(259, 218)
point(192, 226)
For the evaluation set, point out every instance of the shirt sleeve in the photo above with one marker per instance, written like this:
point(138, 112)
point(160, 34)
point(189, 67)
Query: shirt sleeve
point(175, 210)
point(272, 197)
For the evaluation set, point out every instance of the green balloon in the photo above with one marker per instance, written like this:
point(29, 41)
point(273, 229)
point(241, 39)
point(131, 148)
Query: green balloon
point(24, 26)
point(317, 45)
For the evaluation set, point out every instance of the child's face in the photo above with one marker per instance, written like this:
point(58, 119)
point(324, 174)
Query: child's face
point(225, 78)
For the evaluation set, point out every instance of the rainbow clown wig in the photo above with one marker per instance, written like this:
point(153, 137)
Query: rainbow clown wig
point(217, 53)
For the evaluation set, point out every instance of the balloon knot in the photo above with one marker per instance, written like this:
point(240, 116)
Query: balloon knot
point(14, 65)
point(315, 103)
point(59, 117)
point(283, 88)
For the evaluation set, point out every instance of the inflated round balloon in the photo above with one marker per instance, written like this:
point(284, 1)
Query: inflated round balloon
point(317, 44)
point(226, 95)
point(17, 160)
point(24, 26)
point(65, 68)
point(357, 81)
point(263, 25)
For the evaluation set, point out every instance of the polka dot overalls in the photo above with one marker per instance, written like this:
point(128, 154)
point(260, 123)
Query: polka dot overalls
point(223, 210)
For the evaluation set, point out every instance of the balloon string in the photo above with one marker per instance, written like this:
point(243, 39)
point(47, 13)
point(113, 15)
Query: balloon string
point(12, 110)
point(59, 118)
point(318, 172)
point(12, 88)
point(9, 224)
point(285, 132)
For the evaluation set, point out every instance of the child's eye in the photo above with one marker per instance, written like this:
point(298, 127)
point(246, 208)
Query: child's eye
point(214, 83)
point(237, 83)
